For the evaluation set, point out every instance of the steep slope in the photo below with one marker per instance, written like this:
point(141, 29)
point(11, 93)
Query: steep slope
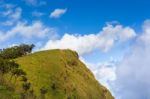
point(6, 93)
point(62, 74)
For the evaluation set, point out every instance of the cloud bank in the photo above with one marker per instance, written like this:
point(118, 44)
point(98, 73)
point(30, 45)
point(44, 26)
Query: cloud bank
point(104, 40)
point(105, 72)
point(133, 71)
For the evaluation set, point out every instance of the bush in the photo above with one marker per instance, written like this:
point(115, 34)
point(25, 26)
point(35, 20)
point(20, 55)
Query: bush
point(16, 51)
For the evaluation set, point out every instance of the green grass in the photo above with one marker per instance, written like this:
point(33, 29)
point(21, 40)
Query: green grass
point(62, 74)
point(6, 93)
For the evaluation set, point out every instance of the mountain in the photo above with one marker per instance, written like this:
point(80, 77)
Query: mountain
point(59, 74)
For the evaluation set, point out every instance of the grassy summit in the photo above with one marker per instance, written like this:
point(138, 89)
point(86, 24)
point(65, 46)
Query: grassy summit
point(59, 74)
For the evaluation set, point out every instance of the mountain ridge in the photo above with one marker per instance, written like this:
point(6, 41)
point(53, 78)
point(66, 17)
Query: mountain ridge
point(60, 75)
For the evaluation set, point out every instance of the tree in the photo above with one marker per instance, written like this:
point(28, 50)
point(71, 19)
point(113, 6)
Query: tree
point(13, 65)
point(16, 51)
point(4, 66)
point(25, 49)
point(8, 65)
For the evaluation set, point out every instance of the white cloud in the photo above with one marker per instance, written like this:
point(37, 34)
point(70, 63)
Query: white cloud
point(58, 13)
point(36, 29)
point(13, 15)
point(37, 14)
point(6, 13)
point(146, 28)
point(7, 5)
point(17, 14)
point(104, 40)
point(133, 71)
point(104, 72)
point(7, 23)
point(32, 2)
point(35, 2)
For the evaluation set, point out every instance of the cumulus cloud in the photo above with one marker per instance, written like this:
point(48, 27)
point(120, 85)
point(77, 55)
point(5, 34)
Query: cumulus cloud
point(104, 72)
point(58, 13)
point(104, 40)
point(133, 71)
point(36, 29)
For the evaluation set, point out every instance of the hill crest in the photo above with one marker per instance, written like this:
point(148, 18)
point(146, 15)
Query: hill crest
point(62, 74)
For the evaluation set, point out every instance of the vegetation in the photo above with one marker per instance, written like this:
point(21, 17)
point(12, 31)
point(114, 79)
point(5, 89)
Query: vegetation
point(16, 51)
point(53, 74)
point(9, 68)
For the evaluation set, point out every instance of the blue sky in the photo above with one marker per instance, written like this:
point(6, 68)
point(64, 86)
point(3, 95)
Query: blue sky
point(88, 16)
point(107, 34)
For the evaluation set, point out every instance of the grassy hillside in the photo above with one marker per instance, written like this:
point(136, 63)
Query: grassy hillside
point(62, 75)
